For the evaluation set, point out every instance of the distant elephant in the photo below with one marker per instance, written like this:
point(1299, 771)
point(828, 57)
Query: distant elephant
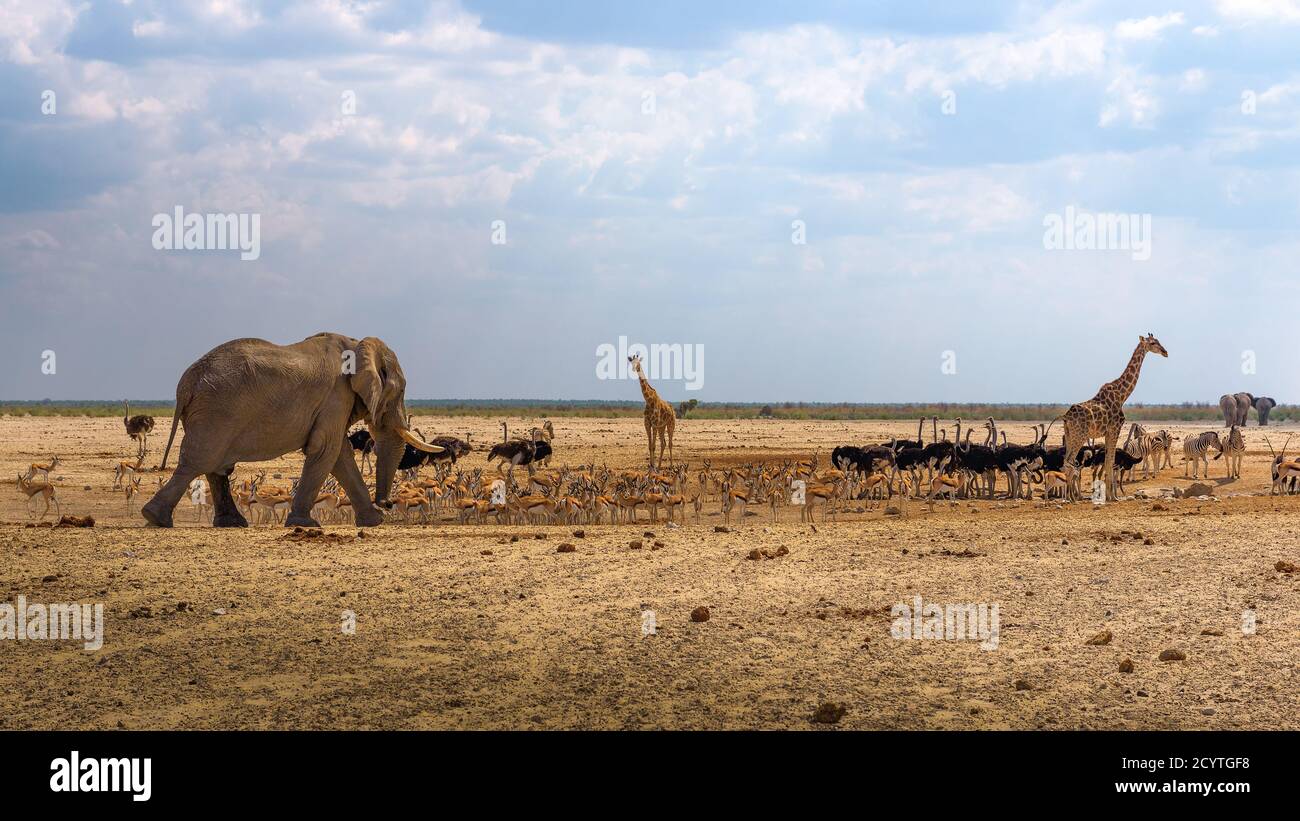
point(1264, 404)
point(1235, 407)
point(250, 400)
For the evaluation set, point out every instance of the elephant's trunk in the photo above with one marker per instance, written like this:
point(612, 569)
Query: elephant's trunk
point(388, 452)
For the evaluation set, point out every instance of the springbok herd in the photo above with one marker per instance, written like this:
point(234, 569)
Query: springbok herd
point(849, 478)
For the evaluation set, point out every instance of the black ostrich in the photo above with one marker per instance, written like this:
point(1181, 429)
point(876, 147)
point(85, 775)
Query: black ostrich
point(514, 452)
point(455, 448)
point(362, 440)
point(414, 457)
point(138, 427)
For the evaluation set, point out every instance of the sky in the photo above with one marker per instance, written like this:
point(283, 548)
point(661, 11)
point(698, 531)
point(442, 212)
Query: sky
point(826, 201)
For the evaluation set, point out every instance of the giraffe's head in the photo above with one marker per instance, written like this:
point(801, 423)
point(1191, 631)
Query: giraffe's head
point(635, 359)
point(1152, 345)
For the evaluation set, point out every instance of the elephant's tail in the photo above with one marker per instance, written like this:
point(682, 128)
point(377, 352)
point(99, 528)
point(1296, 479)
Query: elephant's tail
point(182, 399)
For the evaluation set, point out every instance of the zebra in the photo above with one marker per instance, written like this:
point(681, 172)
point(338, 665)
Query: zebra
point(1138, 445)
point(1234, 448)
point(1195, 449)
point(1161, 447)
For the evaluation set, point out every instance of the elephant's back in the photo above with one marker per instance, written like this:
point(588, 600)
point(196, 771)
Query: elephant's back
point(230, 368)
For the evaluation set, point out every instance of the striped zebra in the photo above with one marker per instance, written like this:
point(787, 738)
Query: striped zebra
point(1195, 449)
point(1234, 448)
point(1138, 445)
point(1162, 445)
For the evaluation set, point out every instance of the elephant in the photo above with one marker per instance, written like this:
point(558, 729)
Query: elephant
point(1264, 404)
point(250, 400)
point(1236, 407)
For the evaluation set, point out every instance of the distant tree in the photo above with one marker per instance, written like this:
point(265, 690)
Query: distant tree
point(766, 412)
point(686, 407)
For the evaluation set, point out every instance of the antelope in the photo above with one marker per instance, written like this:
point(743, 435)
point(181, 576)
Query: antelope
point(1055, 483)
point(33, 488)
point(124, 468)
point(132, 490)
point(811, 494)
point(42, 468)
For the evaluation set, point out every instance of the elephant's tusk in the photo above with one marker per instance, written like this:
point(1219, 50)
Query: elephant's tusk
point(418, 443)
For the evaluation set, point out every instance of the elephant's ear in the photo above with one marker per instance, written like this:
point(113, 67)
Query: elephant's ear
point(371, 381)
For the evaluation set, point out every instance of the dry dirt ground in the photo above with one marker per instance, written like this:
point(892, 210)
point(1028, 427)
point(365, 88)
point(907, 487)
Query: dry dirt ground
point(463, 626)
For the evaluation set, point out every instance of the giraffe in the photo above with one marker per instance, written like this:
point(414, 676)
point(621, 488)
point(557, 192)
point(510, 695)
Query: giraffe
point(659, 416)
point(1103, 415)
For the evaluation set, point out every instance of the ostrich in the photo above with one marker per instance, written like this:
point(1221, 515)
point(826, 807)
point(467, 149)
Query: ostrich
point(515, 452)
point(362, 440)
point(455, 448)
point(138, 428)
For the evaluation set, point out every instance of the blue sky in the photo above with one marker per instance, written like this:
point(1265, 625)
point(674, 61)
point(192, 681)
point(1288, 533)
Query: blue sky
point(650, 164)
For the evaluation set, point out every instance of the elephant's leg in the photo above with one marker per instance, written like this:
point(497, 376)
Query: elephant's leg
point(363, 510)
point(158, 512)
point(322, 452)
point(225, 511)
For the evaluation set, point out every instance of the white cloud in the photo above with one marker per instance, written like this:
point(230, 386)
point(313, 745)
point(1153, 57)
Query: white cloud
point(1258, 11)
point(1147, 28)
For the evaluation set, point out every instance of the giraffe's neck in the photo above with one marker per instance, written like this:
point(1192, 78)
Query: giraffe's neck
point(1123, 387)
point(650, 395)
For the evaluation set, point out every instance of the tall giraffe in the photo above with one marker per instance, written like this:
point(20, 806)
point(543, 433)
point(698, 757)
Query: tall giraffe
point(1103, 415)
point(659, 416)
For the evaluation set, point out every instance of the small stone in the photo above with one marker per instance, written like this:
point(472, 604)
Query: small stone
point(721, 529)
point(1208, 711)
point(1101, 638)
point(828, 712)
point(1211, 631)
point(182, 606)
point(579, 534)
point(565, 547)
point(1021, 684)
point(700, 614)
point(754, 555)
point(1158, 506)
point(1148, 540)
point(1065, 541)
point(1172, 655)
point(1126, 666)
point(1284, 566)
point(220, 611)
point(893, 510)
point(649, 534)
point(635, 544)
point(539, 536)
point(485, 552)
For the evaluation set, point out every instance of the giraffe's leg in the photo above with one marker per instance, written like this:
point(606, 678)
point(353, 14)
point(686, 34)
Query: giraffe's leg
point(1073, 441)
point(650, 441)
point(1112, 438)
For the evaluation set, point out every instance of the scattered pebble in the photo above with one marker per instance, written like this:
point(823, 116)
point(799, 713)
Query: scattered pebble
point(828, 712)
point(700, 614)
